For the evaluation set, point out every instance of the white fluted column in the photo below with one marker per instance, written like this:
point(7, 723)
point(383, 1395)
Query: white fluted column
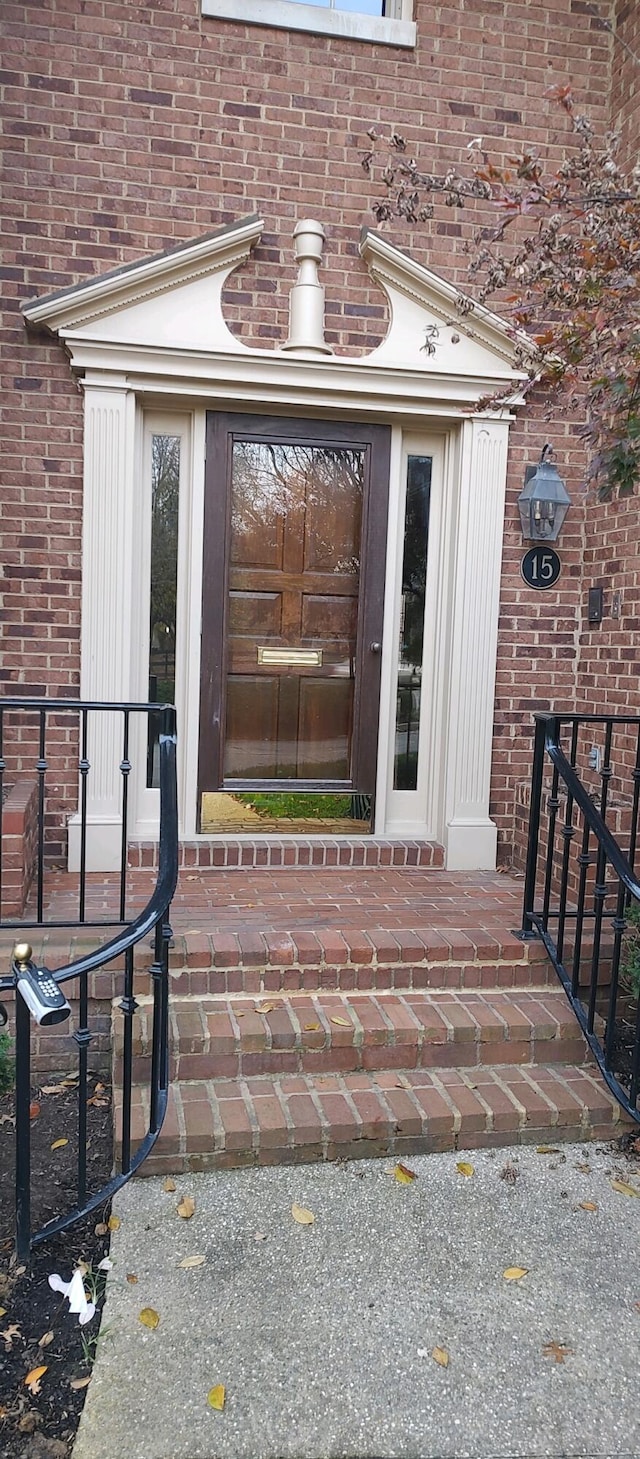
point(470, 834)
point(108, 545)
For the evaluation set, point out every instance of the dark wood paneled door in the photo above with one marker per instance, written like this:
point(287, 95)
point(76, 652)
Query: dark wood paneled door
point(293, 596)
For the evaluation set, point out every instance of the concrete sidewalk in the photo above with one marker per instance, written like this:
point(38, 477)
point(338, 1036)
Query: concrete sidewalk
point(323, 1334)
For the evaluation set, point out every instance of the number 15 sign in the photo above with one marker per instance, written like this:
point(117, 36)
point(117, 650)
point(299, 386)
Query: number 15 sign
point(540, 567)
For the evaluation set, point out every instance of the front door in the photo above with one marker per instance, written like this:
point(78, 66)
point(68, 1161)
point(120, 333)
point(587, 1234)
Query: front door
point(294, 560)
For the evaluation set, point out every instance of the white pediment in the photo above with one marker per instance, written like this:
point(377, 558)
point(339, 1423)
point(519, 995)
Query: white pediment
point(433, 326)
point(161, 320)
point(173, 299)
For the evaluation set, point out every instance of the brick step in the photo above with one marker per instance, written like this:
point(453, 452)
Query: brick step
point(276, 850)
point(219, 1123)
point(327, 1032)
point(348, 958)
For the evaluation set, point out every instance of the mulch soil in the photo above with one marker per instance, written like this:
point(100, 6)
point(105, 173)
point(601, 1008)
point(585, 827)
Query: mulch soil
point(36, 1328)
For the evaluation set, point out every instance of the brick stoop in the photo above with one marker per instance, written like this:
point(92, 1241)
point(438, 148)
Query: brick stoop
point(450, 1050)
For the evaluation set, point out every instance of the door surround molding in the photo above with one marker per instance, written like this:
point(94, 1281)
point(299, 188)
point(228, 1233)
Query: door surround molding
point(153, 336)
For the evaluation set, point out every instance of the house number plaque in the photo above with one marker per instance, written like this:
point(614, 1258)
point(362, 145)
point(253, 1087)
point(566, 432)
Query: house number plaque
point(540, 567)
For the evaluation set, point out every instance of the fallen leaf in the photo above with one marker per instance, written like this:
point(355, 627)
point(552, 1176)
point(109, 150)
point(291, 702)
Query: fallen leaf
point(80, 1382)
point(168, 1184)
point(584, 1167)
point(514, 1273)
point(302, 1215)
point(441, 1356)
point(259, 1236)
point(34, 1109)
point(29, 1422)
point(312, 1027)
point(32, 1380)
point(149, 1317)
point(509, 1173)
point(101, 1229)
point(186, 1207)
point(556, 1350)
point(587, 1206)
point(216, 1397)
point(191, 1261)
point(53, 1088)
point(624, 1188)
point(547, 1150)
point(404, 1174)
point(8, 1120)
point(99, 1103)
point(100, 1088)
point(464, 1167)
point(132, 1279)
point(343, 1022)
point(266, 1008)
point(3, 1311)
point(47, 1337)
point(57, 1144)
point(402, 1082)
point(114, 1223)
point(11, 1334)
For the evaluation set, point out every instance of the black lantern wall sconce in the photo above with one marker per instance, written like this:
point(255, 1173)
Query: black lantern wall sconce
point(544, 502)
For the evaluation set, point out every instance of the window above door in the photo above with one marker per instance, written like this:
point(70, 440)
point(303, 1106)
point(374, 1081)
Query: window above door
point(383, 22)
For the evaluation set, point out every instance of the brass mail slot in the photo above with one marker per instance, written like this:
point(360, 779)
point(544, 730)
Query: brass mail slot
point(294, 658)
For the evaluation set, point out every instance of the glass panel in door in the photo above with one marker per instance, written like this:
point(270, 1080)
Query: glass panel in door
point(292, 611)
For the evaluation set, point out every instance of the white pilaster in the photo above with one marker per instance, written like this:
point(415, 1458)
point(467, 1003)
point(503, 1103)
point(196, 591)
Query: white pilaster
point(107, 574)
point(470, 835)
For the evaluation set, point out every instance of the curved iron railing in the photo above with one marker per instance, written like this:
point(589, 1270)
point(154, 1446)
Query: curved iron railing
point(570, 894)
point(153, 919)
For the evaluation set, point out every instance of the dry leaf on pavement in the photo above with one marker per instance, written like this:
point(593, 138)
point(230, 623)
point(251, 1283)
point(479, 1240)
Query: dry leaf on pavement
point(557, 1350)
point(191, 1261)
point(343, 1022)
point(464, 1167)
point(114, 1223)
point(587, 1206)
point(168, 1184)
point(302, 1215)
point(547, 1150)
point(403, 1173)
point(149, 1317)
point(186, 1207)
point(514, 1273)
point(132, 1278)
point(216, 1397)
point(441, 1356)
point(624, 1189)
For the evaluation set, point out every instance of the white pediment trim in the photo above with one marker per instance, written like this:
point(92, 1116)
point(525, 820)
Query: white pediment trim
point(158, 326)
point(400, 276)
point(134, 283)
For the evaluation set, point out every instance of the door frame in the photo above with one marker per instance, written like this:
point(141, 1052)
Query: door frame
point(221, 430)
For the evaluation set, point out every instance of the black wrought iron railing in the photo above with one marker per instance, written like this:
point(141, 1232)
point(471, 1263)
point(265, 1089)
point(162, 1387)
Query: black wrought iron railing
point(44, 741)
point(40, 994)
point(581, 892)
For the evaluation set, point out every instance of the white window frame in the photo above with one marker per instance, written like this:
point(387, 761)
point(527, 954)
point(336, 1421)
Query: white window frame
point(387, 30)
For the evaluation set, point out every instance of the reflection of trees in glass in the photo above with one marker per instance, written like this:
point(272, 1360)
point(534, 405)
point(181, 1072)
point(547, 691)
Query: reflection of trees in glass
point(272, 481)
point(414, 581)
point(165, 477)
point(414, 563)
point(165, 482)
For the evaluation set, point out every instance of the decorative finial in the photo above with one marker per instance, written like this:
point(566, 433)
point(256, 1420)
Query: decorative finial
point(306, 306)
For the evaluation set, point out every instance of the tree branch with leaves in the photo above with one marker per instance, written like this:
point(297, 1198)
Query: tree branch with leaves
point(561, 248)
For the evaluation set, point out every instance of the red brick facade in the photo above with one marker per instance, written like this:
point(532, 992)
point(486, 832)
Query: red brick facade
point(131, 128)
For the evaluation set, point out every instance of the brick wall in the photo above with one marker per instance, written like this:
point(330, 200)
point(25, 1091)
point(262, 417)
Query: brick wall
point(130, 128)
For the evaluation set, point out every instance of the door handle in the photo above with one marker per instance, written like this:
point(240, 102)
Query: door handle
point(375, 648)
